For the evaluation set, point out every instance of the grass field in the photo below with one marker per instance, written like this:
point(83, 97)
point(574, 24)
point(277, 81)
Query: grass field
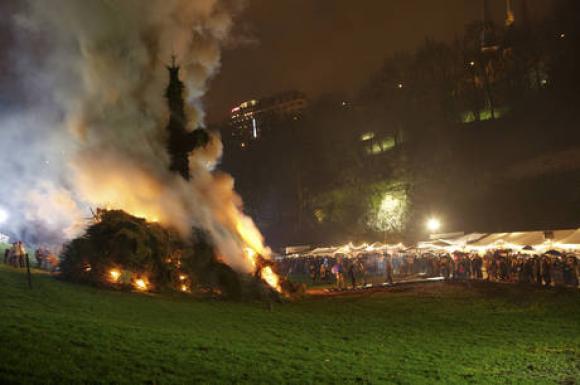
point(60, 333)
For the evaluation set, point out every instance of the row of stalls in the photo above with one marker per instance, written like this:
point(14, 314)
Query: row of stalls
point(524, 242)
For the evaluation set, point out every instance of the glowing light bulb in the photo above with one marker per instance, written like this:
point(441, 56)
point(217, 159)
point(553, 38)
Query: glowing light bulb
point(433, 224)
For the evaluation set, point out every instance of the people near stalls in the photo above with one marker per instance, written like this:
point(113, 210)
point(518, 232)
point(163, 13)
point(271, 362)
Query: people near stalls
point(16, 256)
point(545, 270)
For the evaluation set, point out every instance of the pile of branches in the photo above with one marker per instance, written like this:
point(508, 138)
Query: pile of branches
point(118, 241)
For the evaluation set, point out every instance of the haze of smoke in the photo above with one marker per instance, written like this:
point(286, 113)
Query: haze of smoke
point(102, 81)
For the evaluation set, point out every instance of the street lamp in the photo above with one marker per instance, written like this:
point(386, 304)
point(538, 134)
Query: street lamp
point(433, 224)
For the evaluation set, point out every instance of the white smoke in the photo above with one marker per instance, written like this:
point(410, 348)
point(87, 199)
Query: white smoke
point(96, 137)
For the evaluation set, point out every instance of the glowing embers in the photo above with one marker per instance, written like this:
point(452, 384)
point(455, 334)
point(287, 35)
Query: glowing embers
point(125, 278)
point(183, 283)
point(141, 284)
point(114, 275)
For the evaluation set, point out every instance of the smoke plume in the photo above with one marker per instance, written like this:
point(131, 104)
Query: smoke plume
point(95, 134)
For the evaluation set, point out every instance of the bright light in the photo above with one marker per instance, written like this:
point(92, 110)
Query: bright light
point(3, 215)
point(182, 277)
point(433, 224)
point(367, 136)
point(140, 284)
point(271, 278)
point(472, 63)
point(254, 128)
point(251, 253)
point(400, 85)
point(115, 275)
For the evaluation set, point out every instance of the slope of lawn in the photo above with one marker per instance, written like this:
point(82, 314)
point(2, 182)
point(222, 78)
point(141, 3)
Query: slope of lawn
point(60, 333)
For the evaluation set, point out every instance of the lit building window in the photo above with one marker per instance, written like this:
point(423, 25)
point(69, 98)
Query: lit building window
point(367, 136)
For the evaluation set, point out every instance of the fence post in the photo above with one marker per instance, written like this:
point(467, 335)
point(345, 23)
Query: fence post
point(28, 275)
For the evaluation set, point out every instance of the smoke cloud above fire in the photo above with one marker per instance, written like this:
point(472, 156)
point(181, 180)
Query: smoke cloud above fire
point(94, 134)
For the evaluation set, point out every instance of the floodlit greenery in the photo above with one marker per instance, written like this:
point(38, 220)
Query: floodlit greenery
point(61, 333)
point(381, 207)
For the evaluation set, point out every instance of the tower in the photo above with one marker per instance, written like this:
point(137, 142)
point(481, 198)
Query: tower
point(181, 141)
point(488, 34)
point(509, 14)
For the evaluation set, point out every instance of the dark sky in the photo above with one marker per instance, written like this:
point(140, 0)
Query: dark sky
point(331, 46)
point(315, 46)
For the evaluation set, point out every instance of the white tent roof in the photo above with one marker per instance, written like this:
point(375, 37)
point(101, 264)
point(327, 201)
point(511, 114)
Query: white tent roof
point(568, 240)
point(513, 240)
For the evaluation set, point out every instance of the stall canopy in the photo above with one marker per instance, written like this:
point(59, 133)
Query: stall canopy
point(567, 239)
point(352, 250)
point(530, 242)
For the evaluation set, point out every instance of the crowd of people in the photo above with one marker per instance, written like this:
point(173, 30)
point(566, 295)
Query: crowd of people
point(16, 255)
point(548, 270)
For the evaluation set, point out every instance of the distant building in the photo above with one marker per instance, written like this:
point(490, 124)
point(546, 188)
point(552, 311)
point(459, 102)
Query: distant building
point(253, 118)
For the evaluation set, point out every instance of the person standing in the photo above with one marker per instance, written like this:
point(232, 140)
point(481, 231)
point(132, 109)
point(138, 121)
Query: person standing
point(389, 268)
point(20, 254)
point(362, 270)
point(352, 273)
point(546, 271)
point(336, 270)
point(477, 267)
point(537, 271)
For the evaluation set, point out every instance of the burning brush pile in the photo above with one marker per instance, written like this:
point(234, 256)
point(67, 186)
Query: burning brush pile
point(123, 251)
point(113, 138)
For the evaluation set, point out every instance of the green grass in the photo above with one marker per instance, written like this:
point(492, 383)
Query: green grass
point(60, 333)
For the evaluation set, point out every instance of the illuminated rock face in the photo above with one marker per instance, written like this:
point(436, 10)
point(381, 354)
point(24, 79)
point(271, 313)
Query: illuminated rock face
point(181, 141)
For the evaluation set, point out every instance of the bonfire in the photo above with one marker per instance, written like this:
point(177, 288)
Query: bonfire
point(123, 251)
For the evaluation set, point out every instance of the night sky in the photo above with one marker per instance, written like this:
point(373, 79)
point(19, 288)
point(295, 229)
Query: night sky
point(318, 47)
point(331, 46)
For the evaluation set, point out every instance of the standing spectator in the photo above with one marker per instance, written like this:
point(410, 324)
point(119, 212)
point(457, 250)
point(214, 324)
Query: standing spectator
point(361, 267)
point(476, 265)
point(20, 252)
point(338, 273)
point(545, 269)
point(352, 273)
point(39, 255)
point(537, 271)
point(389, 268)
point(569, 272)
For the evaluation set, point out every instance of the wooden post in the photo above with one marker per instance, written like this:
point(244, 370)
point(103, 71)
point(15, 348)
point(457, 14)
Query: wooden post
point(28, 275)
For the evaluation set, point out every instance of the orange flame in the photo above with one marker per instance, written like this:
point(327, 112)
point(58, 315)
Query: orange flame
point(271, 278)
point(114, 275)
point(141, 284)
